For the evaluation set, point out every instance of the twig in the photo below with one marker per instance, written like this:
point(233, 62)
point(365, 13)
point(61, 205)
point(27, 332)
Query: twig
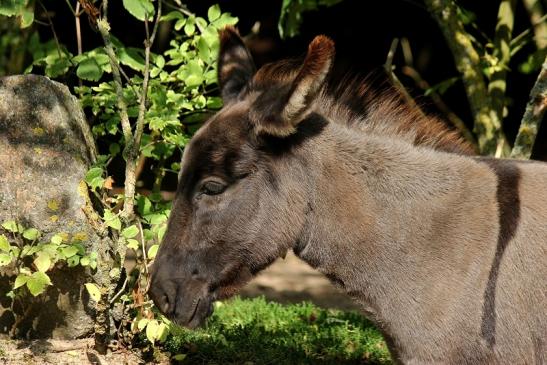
point(52, 29)
point(533, 115)
point(121, 291)
point(388, 66)
point(147, 45)
point(143, 244)
point(537, 19)
point(77, 14)
point(467, 60)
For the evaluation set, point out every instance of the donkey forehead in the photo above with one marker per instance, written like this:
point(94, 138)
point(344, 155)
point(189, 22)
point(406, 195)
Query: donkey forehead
point(217, 148)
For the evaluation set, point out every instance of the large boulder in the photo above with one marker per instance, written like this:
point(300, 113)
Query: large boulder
point(44, 157)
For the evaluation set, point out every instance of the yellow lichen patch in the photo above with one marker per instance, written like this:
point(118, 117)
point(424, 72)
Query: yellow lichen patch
point(53, 205)
point(54, 218)
point(38, 131)
point(80, 236)
point(64, 236)
point(71, 223)
point(38, 150)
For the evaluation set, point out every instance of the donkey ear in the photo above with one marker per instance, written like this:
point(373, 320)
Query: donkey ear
point(304, 89)
point(235, 64)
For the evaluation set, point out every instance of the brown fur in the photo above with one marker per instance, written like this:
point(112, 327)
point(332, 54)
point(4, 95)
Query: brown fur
point(445, 252)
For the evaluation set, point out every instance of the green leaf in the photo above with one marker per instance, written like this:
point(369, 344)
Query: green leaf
point(42, 261)
point(131, 57)
point(130, 231)
point(152, 330)
point(10, 226)
point(161, 232)
point(203, 50)
point(20, 280)
point(132, 243)
point(37, 282)
point(162, 332)
point(112, 220)
point(442, 86)
point(152, 251)
point(94, 177)
point(73, 261)
point(5, 259)
point(144, 205)
point(155, 218)
point(69, 251)
point(142, 323)
point(93, 291)
point(139, 8)
point(31, 234)
point(57, 239)
point(190, 27)
point(12, 7)
point(89, 70)
point(213, 13)
point(172, 15)
point(179, 24)
point(84, 261)
point(57, 66)
point(4, 244)
point(27, 18)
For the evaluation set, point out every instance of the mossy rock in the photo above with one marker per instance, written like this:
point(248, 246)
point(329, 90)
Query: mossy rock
point(43, 160)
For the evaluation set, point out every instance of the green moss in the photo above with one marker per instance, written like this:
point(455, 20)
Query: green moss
point(259, 332)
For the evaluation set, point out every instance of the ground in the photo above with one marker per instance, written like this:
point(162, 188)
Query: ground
point(288, 280)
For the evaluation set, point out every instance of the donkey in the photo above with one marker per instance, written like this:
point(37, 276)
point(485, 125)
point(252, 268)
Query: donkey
point(445, 251)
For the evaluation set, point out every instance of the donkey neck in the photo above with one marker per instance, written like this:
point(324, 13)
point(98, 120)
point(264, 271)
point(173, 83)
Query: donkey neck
point(381, 219)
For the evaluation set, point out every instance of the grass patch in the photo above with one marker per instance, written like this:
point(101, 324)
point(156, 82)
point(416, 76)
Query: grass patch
point(243, 331)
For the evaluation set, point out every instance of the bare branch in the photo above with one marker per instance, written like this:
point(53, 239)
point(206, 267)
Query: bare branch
point(389, 68)
point(78, 28)
point(533, 115)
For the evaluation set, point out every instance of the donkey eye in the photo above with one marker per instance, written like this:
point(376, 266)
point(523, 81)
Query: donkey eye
point(212, 188)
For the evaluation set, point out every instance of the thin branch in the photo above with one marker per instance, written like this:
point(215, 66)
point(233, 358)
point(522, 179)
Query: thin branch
point(71, 8)
point(134, 147)
point(78, 28)
point(533, 115)
point(143, 245)
point(388, 67)
point(537, 19)
point(147, 45)
point(52, 29)
point(104, 29)
point(77, 14)
point(120, 292)
point(467, 60)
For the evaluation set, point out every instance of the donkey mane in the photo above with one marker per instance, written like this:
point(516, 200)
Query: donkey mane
point(356, 104)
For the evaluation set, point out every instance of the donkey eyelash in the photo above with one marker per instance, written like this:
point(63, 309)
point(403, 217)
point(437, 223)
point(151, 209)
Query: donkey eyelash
point(212, 188)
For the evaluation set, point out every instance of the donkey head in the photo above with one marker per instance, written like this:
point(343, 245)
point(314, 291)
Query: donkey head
point(243, 190)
